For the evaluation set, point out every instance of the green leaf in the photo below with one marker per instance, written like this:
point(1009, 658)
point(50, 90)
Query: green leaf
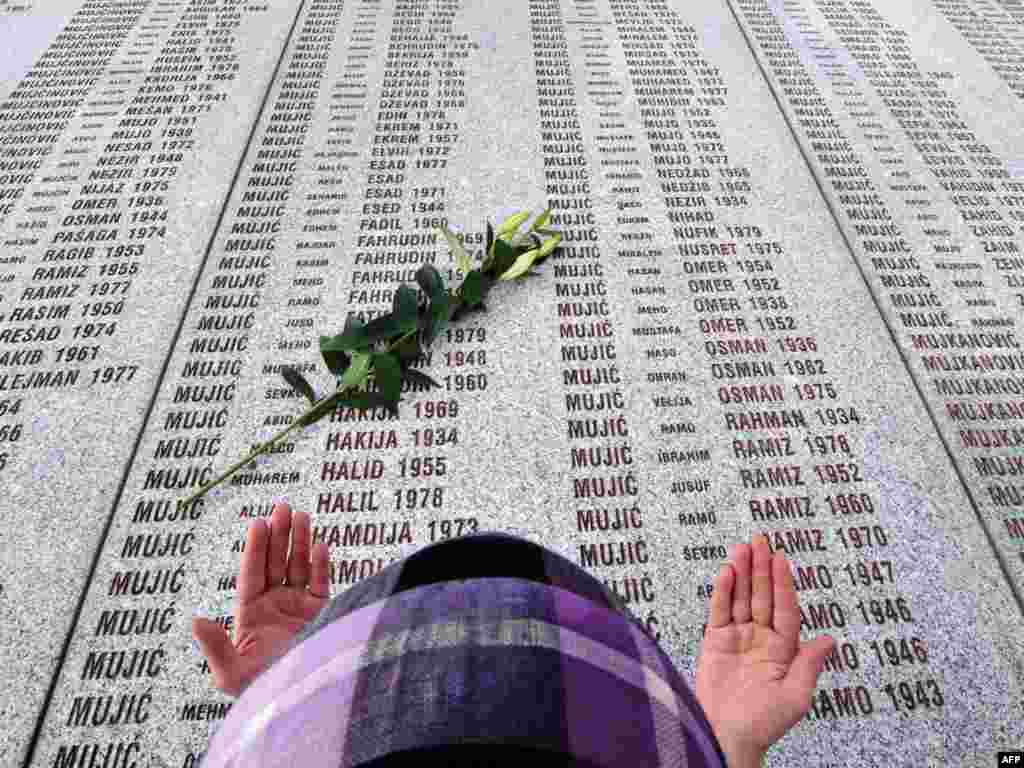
point(430, 281)
point(462, 261)
point(540, 221)
point(520, 265)
point(353, 322)
point(455, 304)
point(526, 260)
point(388, 375)
point(403, 308)
point(473, 288)
point(423, 322)
point(504, 256)
point(548, 247)
point(383, 327)
point(298, 382)
point(336, 360)
point(512, 223)
point(409, 349)
point(419, 378)
point(355, 375)
point(354, 337)
point(441, 308)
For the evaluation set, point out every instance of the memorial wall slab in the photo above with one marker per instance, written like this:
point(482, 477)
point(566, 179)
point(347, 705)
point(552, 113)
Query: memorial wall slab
point(119, 144)
point(702, 360)
point(918, 146)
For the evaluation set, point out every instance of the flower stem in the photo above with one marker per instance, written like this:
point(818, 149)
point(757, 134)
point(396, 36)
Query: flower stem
point(402, 338)
point(264, 447)
point(258, 450)
point(308, 417)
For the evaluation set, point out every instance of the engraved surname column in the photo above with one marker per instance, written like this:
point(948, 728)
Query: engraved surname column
point(605, 487)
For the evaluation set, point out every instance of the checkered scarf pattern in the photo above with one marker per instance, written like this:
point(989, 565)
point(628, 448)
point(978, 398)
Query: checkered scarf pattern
point(554, 662)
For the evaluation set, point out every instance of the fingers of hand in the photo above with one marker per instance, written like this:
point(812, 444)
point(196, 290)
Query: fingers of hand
point(761, 579)
point(807, 666)
point(741, 591)
point(320, 581)
point(786, 610)
point(721, 597)
point(277, 556)
point(220, 653)
point(298, 559)
point(252, 574)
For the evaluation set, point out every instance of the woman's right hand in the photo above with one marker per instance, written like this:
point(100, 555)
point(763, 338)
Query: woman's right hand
point(278, 592)
point(755, 679)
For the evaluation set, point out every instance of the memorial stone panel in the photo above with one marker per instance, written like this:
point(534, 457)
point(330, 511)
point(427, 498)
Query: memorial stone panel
point(117, 149)
point(701, 360)
point(918, 147)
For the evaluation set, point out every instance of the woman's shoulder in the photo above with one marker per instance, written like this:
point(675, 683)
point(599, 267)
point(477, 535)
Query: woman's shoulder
point(490, 660)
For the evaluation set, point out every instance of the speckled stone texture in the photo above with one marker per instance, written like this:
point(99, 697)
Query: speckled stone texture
point(936, 131)
point(672, 188)
point(63, 455)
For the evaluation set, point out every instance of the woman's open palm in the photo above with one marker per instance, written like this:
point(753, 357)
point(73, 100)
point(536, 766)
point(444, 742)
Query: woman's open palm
point(273, 601)
point(755, 679)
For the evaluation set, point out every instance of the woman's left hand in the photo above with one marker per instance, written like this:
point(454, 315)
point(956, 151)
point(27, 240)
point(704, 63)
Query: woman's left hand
point(755, 679)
